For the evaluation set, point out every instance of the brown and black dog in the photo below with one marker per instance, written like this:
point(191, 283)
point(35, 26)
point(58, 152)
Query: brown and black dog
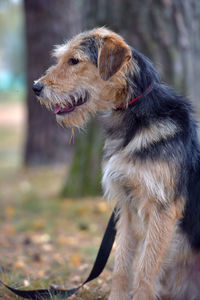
point(150, 161)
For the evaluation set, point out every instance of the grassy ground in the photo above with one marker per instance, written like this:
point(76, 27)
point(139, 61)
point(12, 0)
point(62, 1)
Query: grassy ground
point(44, 239)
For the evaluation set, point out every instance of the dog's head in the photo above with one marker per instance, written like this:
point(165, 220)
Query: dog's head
point(89, 76)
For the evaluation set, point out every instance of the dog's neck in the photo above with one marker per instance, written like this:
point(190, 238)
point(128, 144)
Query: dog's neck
point(125, 122)
point(132, 101)
point(141, 104)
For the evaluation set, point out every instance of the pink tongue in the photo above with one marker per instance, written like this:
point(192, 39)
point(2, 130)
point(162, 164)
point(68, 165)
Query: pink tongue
point(57, 108)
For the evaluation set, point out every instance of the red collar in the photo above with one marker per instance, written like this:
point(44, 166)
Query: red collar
point(125, 105)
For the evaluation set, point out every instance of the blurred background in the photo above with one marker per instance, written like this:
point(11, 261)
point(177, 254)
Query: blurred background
point(52, 213)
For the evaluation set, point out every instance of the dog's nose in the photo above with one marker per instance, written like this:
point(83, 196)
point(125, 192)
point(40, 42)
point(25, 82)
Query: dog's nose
point(37, 88)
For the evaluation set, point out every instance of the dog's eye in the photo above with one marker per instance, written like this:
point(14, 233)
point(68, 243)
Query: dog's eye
point(73, 61)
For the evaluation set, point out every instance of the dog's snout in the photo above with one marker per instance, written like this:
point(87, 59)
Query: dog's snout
point(37, 88)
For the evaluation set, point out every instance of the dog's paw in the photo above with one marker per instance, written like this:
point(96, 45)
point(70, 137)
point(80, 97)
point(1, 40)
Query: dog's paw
point(119, 296)
point(143, 293)
point(120, 288)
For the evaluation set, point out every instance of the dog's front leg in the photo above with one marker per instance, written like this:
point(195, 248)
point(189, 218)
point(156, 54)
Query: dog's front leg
point(148, 264)
point(122, 276)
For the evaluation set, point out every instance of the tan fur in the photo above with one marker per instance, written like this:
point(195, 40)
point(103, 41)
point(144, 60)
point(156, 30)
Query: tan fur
point(148, 238)
point(113, 51)
point(125, 250)
point(161, 225)
point(152, 134)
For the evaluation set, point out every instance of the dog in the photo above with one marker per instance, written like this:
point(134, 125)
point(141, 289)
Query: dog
point(151, 160)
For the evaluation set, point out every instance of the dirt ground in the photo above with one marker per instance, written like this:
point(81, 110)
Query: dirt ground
point(44, 238)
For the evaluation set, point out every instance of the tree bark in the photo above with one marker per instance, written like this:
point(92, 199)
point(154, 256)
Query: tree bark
point(47, 23)
point(84, 177)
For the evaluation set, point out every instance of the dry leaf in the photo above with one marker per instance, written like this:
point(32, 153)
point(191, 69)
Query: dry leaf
point(10, 211)
point(75, 259)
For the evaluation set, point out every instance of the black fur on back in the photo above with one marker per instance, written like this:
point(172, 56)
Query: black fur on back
point(162, 103)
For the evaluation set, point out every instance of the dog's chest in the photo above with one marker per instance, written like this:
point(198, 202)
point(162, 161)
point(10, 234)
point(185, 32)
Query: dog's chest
point(120, 183)
point(116, 171)
point(126, 178)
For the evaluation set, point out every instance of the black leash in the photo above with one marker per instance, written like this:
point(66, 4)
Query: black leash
point(100, 262)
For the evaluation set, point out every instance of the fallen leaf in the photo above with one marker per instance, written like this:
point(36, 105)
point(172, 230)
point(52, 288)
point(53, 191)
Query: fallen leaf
point(10, 211)
point(38, 224)
point(9, 229)
point(102, 207)
point(75, 260)
point(19, 264)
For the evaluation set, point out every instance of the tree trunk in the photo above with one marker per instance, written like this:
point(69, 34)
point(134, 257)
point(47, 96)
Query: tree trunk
point(47, 24)
point(84, 178)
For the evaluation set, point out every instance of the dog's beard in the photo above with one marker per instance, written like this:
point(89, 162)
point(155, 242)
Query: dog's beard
point(74, 109)
point(71, 110)
point(77, 118)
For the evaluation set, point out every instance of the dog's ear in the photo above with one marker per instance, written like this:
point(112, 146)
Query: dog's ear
point(113, 54)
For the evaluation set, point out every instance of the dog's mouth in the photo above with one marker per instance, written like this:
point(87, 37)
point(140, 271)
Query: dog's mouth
point(68, 107)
